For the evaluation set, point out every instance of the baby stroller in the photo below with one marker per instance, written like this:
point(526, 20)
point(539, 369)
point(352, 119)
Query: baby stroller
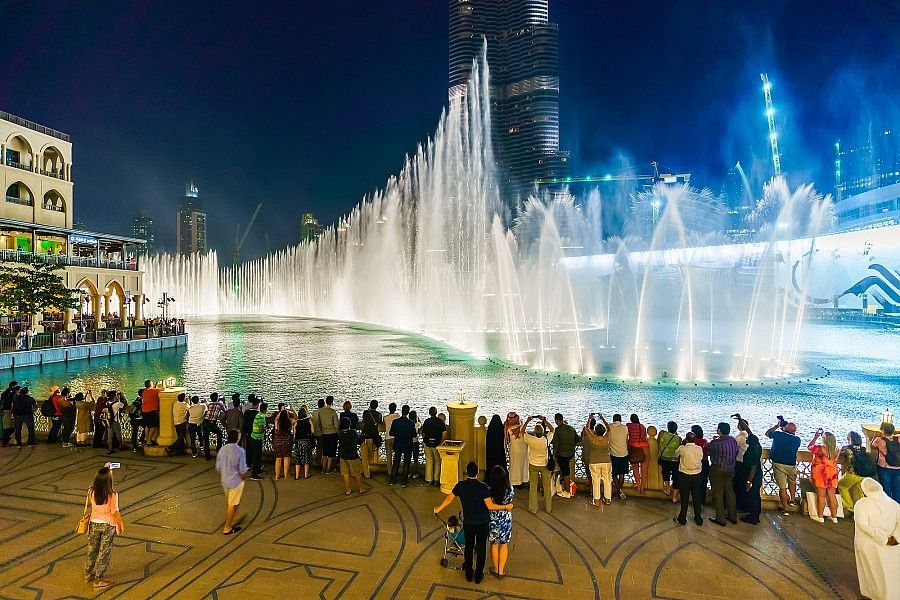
point(454, 542)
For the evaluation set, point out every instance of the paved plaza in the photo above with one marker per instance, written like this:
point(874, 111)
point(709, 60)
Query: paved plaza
point(306, 539)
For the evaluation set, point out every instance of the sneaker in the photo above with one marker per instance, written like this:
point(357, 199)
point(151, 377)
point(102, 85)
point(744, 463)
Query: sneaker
point(66, 445)
point(622, 495)
point(819, 519)
point(564, 495)
point(256, 478)
point(786, 514)
point(834, 519)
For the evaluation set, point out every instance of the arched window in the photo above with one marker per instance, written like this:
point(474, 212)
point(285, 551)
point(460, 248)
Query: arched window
point(52, 163)
point(18, 193)
point(18, 153)
point(54, 201)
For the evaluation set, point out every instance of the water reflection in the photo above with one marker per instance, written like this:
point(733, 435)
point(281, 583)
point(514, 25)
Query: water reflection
point(298, 360)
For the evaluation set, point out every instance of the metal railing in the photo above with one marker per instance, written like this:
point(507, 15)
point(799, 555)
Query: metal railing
point(53, 207)
point(34, 126)
point(56, 174)
point(64, 339)
point(14, 164)
point(64, 260)
point(22, 201)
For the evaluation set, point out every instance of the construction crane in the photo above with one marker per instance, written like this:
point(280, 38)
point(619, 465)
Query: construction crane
point(770, 117)
point(239, 239)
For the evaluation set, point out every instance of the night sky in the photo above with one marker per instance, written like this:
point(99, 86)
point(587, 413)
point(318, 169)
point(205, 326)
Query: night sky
point(307, 106)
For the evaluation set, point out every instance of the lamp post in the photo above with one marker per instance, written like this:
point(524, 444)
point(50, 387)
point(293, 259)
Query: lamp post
point(164, 304)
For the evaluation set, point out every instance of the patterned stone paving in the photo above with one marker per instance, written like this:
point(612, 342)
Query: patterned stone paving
point(305, 539)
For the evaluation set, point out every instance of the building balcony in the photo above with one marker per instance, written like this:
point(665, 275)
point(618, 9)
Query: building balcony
point(63, 260)
point(22, 201)
point(53, 207)
point(16, 165)
point(56, 175)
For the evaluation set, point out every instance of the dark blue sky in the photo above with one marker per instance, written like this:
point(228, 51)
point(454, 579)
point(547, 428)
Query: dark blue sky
point(310, 105)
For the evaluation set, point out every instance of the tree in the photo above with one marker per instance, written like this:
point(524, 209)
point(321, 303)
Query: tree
point(32, 287)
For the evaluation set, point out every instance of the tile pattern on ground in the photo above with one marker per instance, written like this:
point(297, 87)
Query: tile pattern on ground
point(307, 539)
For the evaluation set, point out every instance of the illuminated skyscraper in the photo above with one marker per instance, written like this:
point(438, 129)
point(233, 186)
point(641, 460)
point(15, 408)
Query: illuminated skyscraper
point(310, 229)
point(191, 233)
point(142, 228)
point(523, 58)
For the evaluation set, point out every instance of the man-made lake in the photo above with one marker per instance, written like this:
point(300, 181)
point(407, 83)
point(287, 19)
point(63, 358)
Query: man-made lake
point(300, 360)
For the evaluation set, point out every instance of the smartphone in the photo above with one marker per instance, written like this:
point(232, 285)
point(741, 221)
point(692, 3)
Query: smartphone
point(115, 465)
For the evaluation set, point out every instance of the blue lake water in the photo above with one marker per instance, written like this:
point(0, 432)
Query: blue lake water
point(300, 360)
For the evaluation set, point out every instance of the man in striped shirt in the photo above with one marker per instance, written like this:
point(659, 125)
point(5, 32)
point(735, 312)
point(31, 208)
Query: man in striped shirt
point(722, 452)
point(214, 409)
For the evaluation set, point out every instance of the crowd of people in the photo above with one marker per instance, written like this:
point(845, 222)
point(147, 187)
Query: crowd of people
point(535, 452)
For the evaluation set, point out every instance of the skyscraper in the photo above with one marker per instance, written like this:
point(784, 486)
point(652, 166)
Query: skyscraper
point(142, 228)
point(310, 229)
point(738, 203)
point(191, 232)
point(867, 180)
point(523, 58)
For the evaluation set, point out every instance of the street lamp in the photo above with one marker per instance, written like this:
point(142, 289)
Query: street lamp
point(164, 304)
point(887, 416)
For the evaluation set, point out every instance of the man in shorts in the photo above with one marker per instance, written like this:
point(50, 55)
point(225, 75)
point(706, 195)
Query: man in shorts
point(783, 455)
point(351, 465)
point(231, 462)
point(618, 454)
point(150, 412)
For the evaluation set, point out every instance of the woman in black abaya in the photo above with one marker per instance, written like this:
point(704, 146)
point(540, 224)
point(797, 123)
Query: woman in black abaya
point(495, 450)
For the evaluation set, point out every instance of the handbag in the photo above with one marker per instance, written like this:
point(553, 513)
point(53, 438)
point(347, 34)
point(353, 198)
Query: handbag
point(84, 521)
point(636, 454)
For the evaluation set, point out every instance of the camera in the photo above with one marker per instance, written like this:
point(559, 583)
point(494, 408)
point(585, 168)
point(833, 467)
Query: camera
point(781, 421)
point(115, 465)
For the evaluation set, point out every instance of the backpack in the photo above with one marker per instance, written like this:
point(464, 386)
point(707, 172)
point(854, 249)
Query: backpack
point(892, 451)
point(47, 408)
point(134, 411)
point(863, 464)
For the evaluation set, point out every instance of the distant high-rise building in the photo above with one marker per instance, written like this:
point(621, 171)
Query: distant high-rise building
point(738, 203)
point(142, 228)
point(867, 180)
point(191, 232)
point(523, 58)
point(868, 164)
point(310, 229)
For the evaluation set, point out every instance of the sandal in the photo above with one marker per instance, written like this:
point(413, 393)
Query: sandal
point(102, 583)
point(234, 529)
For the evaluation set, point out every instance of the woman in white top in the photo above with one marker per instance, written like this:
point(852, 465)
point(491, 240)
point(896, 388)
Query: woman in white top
point(538, 458)
point(106, 522)
point(877, 520)
point(690, 478)
point(517, 449)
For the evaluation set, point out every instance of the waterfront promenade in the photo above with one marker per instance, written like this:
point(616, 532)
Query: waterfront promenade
point(308, 539)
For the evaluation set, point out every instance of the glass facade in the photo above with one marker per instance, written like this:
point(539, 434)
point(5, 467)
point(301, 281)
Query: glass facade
point(523, 58)
point(191, 223)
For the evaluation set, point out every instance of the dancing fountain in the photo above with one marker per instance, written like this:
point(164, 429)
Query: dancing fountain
point(438, 252)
